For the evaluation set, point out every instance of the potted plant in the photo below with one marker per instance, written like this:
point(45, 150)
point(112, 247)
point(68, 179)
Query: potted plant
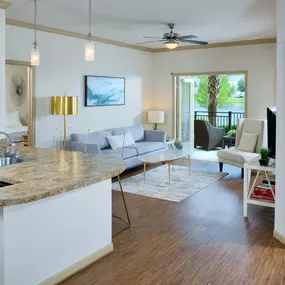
point(232, 133)
point(264, 153)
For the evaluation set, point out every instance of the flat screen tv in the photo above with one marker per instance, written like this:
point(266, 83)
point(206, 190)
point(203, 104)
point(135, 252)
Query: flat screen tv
point(271, 130)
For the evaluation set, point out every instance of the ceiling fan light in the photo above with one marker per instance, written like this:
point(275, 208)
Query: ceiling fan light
point(171, 45)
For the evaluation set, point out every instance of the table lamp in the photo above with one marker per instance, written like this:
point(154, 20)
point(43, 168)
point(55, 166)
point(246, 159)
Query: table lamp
point(155, 117)
point(64, 105)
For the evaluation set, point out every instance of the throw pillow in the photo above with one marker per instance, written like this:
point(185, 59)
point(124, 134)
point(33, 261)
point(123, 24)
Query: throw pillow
point(248, 142)
point(129, 140)
point(116, 141)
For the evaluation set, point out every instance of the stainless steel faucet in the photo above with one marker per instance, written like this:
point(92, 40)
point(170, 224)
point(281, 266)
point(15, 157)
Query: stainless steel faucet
point(8, 138)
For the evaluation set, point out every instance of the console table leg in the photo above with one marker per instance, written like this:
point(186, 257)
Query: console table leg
point(169, 172)
point(144, 171)
point(246, 184)
point(188, 165)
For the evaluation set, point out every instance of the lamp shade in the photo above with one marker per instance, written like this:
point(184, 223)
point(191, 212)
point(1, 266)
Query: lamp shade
point(89, 51)
point(156, 117)
point(171, 45)
point(64, 105)
point(35, 57)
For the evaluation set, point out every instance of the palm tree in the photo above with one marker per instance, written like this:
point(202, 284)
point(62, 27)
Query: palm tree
point(213, 91)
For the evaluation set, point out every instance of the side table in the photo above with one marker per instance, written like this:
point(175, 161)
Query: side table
point(228, 141)
point(248, 188)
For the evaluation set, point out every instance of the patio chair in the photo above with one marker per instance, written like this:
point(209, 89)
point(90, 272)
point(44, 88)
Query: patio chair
point(206, 135)
point(240, 154)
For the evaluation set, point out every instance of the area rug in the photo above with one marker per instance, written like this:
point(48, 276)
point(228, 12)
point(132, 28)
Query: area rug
point(181, 187)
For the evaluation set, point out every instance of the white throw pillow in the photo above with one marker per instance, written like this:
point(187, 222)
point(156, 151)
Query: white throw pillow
point(13, 120)
point(248, 142)
point(129, 140)
point(116, 141)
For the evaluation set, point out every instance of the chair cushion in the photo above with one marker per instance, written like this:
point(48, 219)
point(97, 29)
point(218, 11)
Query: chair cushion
point(127, 152)
point(146, 146)
point(137, 132)
point(236, 155)
point(248, 142)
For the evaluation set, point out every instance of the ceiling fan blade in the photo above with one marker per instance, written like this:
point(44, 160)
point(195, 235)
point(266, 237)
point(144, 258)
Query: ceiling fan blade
point(141, 43)
point(146, 37)
point(194, 42)
point(188, 37)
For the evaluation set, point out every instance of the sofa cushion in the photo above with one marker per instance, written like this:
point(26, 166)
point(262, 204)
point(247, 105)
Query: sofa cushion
point(236, 155)
point(145, 146)
point(79, 137)
point(137, 132)
point(99, 138)
point(127, 152)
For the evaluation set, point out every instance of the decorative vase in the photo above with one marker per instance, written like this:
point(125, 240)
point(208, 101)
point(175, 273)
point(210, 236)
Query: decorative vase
point(178, 144)
point(264, 162)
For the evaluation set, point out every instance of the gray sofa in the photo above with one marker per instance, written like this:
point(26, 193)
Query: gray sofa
point(146, 141)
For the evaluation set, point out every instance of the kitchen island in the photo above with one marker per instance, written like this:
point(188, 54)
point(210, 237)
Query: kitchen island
point(56, 217)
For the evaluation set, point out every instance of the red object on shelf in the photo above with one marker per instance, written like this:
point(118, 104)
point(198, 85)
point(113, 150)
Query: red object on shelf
point(263, 192)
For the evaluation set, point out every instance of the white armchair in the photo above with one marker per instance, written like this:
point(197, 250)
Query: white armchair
point(235, 156)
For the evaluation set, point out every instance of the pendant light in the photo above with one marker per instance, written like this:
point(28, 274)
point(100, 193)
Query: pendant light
point(35, 55)
point(89, 45)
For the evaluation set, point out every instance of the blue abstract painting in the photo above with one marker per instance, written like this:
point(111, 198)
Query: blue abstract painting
point(104, 91)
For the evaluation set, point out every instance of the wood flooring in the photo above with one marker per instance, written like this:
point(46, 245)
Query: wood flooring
point(201, 240)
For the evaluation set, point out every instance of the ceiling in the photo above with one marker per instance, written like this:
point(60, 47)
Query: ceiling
point(129, 20)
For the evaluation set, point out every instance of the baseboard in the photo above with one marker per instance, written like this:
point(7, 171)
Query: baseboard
point(78, 266)
point(279, 237)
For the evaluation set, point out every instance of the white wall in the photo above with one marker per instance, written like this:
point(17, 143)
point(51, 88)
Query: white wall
point(2, 70)
point(15, 102)
point(62, 70)
point(259, 60)
point(280, 151)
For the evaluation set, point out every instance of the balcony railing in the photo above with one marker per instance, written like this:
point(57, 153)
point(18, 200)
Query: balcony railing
point(226, 120)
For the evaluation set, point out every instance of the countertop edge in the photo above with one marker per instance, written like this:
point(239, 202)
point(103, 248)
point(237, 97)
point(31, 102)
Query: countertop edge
point(37, 197)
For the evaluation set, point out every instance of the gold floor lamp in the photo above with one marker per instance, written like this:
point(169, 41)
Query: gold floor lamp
point(64, 105)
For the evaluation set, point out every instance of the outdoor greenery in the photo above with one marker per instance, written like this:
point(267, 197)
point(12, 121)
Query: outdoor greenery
point(232, 133)
point(235, 100)
point(226, 91)
point(241, 85)
point(227, 129)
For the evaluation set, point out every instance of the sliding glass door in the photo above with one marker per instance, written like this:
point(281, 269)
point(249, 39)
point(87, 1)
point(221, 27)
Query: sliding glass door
point(184, 110)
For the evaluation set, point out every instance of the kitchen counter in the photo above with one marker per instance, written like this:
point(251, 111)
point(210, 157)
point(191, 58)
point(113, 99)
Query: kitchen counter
point(45, 173)
point(56, 218)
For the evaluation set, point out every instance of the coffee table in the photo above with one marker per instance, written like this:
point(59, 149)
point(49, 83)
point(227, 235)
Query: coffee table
point(164, 156)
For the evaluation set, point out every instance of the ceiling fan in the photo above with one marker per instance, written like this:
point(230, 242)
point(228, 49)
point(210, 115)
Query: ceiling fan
point(172, 40)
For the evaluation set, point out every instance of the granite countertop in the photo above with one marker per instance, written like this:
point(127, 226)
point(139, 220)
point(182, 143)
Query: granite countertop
point(46, 172)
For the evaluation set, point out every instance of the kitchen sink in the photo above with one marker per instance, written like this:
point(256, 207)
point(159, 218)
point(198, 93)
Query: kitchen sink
point(6, 161)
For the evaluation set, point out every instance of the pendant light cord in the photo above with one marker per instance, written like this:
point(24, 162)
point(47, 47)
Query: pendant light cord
point(90, 16)
point(35, 21)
